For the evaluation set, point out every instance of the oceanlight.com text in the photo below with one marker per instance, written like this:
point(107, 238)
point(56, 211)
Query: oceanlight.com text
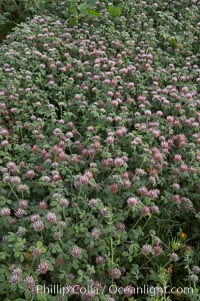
point(57, 289)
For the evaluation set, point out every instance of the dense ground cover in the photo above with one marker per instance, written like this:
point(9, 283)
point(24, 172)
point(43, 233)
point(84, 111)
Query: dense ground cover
point(100, 153)
point(13, 12)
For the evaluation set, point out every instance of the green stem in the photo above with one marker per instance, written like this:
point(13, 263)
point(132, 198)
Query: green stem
point(42, 238)
point(111, 247)
point(112, 254)
point(61, 111)
point(32, 298)
point(137, 222)
point(33, 262)
point(166, 264)
point(146, 223)
point(145, 264)
point(13, 192)
point(112, 251)
point(188, 269)
point(109, 175)
point(63, 209)
point(164, 296)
